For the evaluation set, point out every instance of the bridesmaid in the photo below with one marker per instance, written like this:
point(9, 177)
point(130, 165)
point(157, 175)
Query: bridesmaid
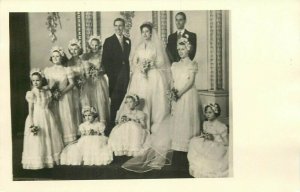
point(76, 65)
point(96, 86)
point(61, 83)
point(185, 113)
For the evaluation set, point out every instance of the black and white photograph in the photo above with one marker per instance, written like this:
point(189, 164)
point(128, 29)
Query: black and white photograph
point(144, 96)
point(120, 95)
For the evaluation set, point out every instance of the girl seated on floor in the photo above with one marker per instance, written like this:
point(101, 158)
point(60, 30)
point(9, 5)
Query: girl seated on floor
point(129, 135)
point(208, 153)
point(91, 148)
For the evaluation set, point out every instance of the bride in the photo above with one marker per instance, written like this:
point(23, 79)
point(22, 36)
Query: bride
point(150, 77)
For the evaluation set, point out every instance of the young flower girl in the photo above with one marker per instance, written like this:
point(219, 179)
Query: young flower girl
point(185, 115)
point(42, 140)
point(207, 155)
point(91, 148)
point(130, 133)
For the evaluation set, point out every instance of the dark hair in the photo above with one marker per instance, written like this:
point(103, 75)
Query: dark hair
point(64, 58)
point(80, 49)
point(119, 19)
point(95, 115)
point(147, 25)
point(43, 80)
point(182, 14)
point(218, 108)
point(131, 97)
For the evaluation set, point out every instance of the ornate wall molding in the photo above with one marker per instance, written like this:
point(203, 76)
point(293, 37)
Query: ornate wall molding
point(155, 19)
point(78, 18)
point(171, 21)
point(88, 20)
point(216, 46)
point(98, 20)
point(163, 26)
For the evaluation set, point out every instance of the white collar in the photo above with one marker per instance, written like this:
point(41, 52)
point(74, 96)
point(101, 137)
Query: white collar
point(119, 36)
point(181, 30)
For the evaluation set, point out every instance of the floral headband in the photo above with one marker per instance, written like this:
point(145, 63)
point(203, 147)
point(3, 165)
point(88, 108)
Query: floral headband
point(94, 37)
point(74, 42)
point(185, 41)
point(215, 107)
point(86, 109)
point(57, 49)
point(135, 97)
point(36, 70)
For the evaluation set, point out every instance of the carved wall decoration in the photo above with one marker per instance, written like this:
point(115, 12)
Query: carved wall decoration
point(163, 26)
point(78, 17)
point(155, 19)
point(53, 20)
point(88, 19)
point(98, 20)
point(127, 16)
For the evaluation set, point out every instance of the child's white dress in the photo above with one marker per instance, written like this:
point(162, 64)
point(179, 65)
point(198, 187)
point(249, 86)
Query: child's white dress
point(64, 108)
point(90, 149)
point(185, 115)
point(209, 158)
point(128, 137)
point(41, 150)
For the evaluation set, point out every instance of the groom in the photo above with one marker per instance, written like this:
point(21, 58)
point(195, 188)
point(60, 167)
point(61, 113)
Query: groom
point(115, 59)
point(180, 20)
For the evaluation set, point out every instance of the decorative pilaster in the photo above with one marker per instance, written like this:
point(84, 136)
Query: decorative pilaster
point(78, 17)
point(216, 46)
point(98, 20)
point(88, 20)
point(163, 26)
point(171, 22)
point(155, 19)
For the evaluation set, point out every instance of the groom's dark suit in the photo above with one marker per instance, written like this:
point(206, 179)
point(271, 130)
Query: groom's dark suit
point(172, 45)
point(116, 65)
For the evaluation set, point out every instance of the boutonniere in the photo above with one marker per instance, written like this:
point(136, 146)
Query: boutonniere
point(186, 36)
point(127, 41)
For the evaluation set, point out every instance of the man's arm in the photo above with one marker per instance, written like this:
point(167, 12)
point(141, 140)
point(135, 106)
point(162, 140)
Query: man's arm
point(168, 49)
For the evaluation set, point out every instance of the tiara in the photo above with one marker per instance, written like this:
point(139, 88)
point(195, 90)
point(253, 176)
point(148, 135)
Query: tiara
point(58, 49)
point(95, 37)
point(215, 107)
point(135, 97)
point(148, 23)
point(88, 109)
point(74, 42)
point(185, 41)
point(36, 70)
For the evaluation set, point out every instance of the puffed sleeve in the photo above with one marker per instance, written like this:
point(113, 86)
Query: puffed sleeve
point(81, 128)
point(141, 116)
point(30, 97)
point(101, 127)
point(193, 67)
point(222, 130)
point(69, 72)
point(205, 126)
point(46, 73)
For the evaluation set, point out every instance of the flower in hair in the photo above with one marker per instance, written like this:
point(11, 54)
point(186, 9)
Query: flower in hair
point(57, 49)
point(90, 109)
point(135, 97)
point(74, 42)
point(215, 107)
point(36, 70)
point(185, 41)
point(95, 37)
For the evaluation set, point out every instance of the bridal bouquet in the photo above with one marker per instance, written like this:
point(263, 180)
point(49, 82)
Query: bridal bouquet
point(34, 129)
point(93, 132)
point(56, 93)
point(145, 66)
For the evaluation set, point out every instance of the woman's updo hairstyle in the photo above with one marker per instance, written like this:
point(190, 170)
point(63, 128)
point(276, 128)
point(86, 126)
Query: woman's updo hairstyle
point(148, 25)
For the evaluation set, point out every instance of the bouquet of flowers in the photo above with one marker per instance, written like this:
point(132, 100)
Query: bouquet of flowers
point(145, 66)
point(79, 81)
point(34, 129)
point(93, 132)
point(93, 72)
point(207, 136)
point(173, 94)
point(56, 93)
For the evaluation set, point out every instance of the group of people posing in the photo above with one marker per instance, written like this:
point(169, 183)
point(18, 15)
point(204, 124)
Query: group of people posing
point(116, 101)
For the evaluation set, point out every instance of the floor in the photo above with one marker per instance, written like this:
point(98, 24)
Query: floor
point(178, 169)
